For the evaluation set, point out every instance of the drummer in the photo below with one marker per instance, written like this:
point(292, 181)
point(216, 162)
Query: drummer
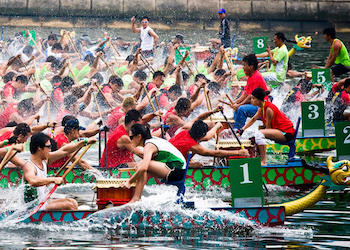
point(35, 171)
point(160, 159)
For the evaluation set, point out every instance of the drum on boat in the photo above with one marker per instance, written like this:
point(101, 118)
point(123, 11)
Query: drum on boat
point(110, 191)
point(234, 145)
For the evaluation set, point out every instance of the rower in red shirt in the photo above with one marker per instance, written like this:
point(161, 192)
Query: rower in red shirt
point(71, 133)
point(13, 89)
point(277, 126)
point(120, 150)
point(243, 106)
point(188, 140)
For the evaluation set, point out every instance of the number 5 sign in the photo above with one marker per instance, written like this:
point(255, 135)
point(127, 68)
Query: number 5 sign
point(259, 44)
point(313, 121)
point(342, 137)
point(322, 76)
point(246, 182)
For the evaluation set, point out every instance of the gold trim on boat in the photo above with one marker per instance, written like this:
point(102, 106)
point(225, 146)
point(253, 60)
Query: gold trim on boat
point(112, 183)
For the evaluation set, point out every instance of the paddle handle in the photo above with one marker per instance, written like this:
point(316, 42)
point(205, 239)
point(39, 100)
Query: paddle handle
point(99, 90)
point(232, 130)
point(67, 161)
point(76, 161)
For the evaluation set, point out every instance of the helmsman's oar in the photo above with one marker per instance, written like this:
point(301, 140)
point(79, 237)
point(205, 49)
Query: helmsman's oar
point(41, 204)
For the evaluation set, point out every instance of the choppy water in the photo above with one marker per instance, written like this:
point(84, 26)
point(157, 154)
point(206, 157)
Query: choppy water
point(325, 226)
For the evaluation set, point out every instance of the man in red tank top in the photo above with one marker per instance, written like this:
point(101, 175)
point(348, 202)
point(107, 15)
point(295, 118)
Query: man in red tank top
point(71, 133)
point(13, 89)
point(277, 126)
point(120, 150)
point(188, 140)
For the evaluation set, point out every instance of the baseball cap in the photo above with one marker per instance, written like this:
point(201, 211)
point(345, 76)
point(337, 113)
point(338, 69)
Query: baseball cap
point(222, 10)
point(73, 124)
point(180, 37)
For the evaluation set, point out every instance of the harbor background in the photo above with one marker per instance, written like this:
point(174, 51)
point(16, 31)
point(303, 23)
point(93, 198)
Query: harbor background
point(286, 15)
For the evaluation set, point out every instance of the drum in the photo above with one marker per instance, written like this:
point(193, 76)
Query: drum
point(110, 191)
point(234, 145)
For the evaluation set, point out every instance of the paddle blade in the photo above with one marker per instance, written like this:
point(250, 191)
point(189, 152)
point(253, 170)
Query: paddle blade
point(41, 204)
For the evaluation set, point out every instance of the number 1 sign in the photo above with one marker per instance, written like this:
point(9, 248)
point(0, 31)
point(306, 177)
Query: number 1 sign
point(313, 121)
point(342, 137)
point(246, 182)
point(260, 44)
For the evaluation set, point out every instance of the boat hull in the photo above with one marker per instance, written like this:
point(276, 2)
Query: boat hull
point(267, 216)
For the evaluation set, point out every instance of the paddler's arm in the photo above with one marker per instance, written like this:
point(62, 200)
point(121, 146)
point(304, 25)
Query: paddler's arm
point(199, 149)
point(67, 149)
point(42, 127)
point(155, 36)
point(125, 142)
point(212, 132)
point(175, 120)
point(269, 116)
point(133, 28)
point(251, 121)
point(194, 97)
point(36, 181)
point(150, 116)
point(170, 60)
point(270, 54)
point(142, 168)
point(138, 93)
point(333, 56)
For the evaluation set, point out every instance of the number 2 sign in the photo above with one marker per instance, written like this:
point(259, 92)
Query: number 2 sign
point(342, 136)
point(313, 121)
point(246, 182)
point(259, 44)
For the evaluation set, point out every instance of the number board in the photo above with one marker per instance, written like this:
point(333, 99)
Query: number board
point(322, 76)
point(313, 121)
point(260, 44)
point(342, 136)
point(182, 50)
point(32, 32)
point(246, 182)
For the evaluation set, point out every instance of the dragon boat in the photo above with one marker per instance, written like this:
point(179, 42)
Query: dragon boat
point(270, 215)
point(293, 173)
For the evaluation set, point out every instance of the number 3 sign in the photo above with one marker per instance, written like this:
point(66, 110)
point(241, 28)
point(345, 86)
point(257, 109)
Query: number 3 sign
point(313, 122)
point(259, 44)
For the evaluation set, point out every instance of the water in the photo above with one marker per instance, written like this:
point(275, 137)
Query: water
point(324, 226)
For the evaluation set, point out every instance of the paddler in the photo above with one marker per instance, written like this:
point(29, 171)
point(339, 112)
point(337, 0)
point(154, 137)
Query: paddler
point(35, 171)
point(160, 159)
point(338, 101)
point(338, 59)
point(279, 60)
point(242, 106)
point(189, 140)
point(277, 126)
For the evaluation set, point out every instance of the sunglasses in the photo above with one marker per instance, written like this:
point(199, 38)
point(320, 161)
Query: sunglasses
point(131, 136)
point(144, 22)
point(48, 146)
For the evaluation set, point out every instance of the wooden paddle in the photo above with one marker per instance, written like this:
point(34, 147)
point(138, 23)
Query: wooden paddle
point(188, 66)
point(232, 130)
point(41, 204)
point(146, 63)
point(98, 106)
point(54, 104)
point(99, 90)
point(67, 162)
point(107, 65)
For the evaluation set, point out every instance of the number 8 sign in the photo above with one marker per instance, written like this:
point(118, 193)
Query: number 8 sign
point(259, 44)
point(342, 136)
point(313, 121)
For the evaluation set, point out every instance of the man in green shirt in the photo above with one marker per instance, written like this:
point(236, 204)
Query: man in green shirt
point(279, 60)
point(160, 159)
point(338, 54)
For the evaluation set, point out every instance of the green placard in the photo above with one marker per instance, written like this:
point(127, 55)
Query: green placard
point(322, 76)
point(182, 50)
point(313, 121)
point(260, 44)
point(32, 32)
point(246, 182)
point(342, 137)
